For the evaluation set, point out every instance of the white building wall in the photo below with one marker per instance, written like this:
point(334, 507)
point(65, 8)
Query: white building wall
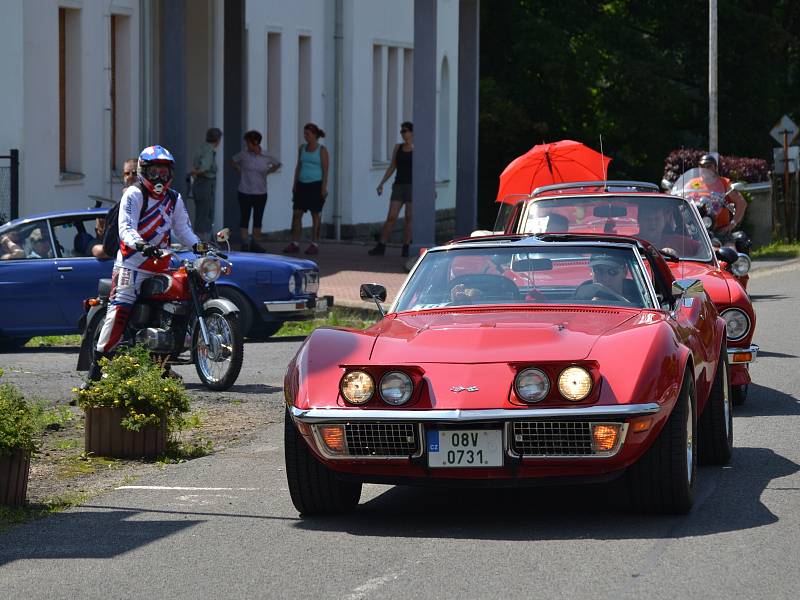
point(11, 66)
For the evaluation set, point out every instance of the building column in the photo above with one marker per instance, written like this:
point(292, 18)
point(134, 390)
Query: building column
point(424, 157)
point(233, 104)
point(467, 145)
point(172, 85)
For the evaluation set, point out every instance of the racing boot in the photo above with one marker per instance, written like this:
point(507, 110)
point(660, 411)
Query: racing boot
point(94, 373)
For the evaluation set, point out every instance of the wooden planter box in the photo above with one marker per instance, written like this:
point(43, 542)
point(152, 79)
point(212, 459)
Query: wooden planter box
point(106, 437)
point(14, 478)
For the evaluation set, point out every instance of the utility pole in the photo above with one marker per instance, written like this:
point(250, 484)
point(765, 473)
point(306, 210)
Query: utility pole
point(713, 129)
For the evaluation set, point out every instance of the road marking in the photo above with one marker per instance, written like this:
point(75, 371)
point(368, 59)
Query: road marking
point(372, 585)
point(188, 489)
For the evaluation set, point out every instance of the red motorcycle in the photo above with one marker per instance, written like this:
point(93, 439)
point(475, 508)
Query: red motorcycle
point(179, 317)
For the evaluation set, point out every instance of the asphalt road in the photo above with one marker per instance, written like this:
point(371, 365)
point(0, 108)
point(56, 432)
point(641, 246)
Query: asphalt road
point(224, 526)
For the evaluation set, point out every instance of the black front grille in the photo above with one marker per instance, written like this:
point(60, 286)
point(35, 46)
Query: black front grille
point(551, 438)
point(382, 439)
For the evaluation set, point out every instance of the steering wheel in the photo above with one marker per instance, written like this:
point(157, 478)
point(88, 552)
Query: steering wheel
point(590, 290)
point(492, 288)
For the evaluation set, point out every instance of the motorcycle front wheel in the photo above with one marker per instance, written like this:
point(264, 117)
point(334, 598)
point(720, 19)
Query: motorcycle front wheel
point(218, 364)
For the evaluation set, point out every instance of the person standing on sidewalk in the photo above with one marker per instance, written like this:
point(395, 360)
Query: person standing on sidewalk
point(204, 170)
point(253, 166)
point(401, 191)
point(310, 187)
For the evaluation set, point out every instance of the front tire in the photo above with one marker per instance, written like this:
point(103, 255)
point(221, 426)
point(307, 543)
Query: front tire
point(739, 394)
point(218, 365)
point(716, 423)
point(315, 489)
point(663, 479)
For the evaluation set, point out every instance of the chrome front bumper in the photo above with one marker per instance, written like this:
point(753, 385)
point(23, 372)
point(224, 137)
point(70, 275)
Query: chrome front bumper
point(329, 415)
point(741, 356)
point(302, 306)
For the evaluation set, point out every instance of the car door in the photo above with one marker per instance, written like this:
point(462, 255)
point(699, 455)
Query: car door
point(27, 302)
point(76, 270)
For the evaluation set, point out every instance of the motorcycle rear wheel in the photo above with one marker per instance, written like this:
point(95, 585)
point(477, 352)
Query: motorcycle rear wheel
point(219, 364)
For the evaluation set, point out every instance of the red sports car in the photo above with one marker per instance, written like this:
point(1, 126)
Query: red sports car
point(516, 360)
point(670, 222)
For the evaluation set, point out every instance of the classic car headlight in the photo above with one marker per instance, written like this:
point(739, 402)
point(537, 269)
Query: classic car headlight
point(737, 324)
point(575, 383)
point(357, 387)
point(396, 388)
point(292, 284)
point(209, 268)
point(311, 282)
point(531, 385)
point(741, 266)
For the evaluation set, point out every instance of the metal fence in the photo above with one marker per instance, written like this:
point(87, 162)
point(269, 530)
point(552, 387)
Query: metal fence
point(9, 186)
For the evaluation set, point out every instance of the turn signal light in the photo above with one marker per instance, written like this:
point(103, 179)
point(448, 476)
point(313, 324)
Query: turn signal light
point(641, 424)
point(605, 437)
point(742, 357)
point(333, 436)
point(93, 301)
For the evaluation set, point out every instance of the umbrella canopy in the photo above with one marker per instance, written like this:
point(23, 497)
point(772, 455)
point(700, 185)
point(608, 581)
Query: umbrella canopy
point(545, 164)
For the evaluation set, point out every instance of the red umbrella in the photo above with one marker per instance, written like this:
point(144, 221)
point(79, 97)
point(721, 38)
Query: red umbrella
point(545, 164)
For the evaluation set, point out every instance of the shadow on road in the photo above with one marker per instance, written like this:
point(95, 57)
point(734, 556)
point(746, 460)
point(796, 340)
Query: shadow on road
point(768, 354)
point(248, 388)
point(728, 499)
point(767, 402)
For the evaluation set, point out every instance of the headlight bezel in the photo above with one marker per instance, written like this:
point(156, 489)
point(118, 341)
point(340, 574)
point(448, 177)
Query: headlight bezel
point(565, 374)
point(736, 311)
point(545, 378)
point(407, 395)
point(348, 378)
point(202, 264)
point(741, 265)
point(292, 284)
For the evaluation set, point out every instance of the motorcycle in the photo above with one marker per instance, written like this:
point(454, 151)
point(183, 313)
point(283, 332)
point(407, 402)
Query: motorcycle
point(179, 317)
point(708, 193)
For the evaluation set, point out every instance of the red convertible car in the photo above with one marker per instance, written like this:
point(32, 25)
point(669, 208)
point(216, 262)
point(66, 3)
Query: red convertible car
point(639, 209)
point(514, 360)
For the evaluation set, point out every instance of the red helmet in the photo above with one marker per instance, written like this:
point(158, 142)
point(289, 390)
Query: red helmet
point(155, 169)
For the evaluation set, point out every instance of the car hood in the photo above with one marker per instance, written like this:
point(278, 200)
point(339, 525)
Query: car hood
point(715, 281)
point(469, 337)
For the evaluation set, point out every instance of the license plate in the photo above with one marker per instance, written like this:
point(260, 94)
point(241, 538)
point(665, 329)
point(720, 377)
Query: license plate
point(465, 448)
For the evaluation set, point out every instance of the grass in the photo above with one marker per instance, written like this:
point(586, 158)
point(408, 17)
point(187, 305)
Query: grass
point(47, 416)
point(49, 341)
point(31, 512)
point(777, 250)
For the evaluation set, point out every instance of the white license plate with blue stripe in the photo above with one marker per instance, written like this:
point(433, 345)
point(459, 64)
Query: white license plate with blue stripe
point(464, 448)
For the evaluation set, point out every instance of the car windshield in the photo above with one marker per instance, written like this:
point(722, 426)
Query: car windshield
point(665, 222)
point(532, 274)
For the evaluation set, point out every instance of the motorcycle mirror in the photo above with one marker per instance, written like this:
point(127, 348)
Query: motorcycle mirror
point(727, 254)
point(223, 235)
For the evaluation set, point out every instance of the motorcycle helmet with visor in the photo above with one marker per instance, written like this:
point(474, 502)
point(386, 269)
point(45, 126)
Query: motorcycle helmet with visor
point(155, 169)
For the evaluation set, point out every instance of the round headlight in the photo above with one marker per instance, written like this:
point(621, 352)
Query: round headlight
point(531, 385)
point(741, 266)
point(575, 383)
point(209, 268)
point(357, 387)
point(737, 324)
point(292, 284)
point(707, 222)
point(396, 388)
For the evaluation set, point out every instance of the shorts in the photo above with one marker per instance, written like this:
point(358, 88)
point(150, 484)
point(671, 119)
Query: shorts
point(256, 202)
point(308, 196)
point(401, 192)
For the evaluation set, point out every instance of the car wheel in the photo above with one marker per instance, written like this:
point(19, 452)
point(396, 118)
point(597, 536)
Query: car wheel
point(663, 479)
point(263, 329)
point(739, 394)
point(715, 425)
point(9, 344)
point(315, 489)
point(246, 313)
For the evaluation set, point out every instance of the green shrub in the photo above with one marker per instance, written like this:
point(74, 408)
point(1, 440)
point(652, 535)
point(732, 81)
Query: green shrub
point(131, 380)
point(17, 422)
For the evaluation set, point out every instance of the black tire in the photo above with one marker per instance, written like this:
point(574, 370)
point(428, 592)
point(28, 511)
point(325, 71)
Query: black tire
point(218, 323)
point(9, 344)
point(89, 340)
point(663, 479)
point(739, 394)
point(315, 489)
point(715, 425)
point(246, 311)
point(263, 330)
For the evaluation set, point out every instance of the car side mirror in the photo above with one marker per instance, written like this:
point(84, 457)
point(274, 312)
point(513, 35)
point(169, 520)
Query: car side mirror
point(375, 292)
point(684, 290)
point(727, 254)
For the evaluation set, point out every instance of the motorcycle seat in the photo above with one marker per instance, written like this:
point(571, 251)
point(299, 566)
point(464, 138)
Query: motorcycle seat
point(104, 288)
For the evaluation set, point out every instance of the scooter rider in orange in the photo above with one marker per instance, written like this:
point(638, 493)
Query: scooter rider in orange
point(148, 214)
point(707, 161)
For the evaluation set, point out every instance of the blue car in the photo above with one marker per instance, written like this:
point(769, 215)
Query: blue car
point(47, 270)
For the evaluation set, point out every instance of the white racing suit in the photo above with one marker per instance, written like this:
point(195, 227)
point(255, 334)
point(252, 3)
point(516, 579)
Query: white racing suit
point(132, 268)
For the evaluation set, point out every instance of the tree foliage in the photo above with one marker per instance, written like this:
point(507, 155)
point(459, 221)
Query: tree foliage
point(635, 72)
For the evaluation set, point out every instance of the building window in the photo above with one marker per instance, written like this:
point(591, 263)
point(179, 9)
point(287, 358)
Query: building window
point(392, 97)
point(69, 90)
point(303, 83)
point(121, 94)
point(443, 122)
point(274, 93)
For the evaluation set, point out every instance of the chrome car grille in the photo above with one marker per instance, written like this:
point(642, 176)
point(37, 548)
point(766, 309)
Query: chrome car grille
point(382, 439)
point(551, 438)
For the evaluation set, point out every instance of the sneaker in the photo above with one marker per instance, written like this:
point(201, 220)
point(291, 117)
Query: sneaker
point(256, 247)
point(404, 251)
point(312, 248)
point(292, 248)
point(378, 250)
point(170, 374)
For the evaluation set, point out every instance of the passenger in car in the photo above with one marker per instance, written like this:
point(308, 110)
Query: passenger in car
point(9, 246)
point(655, 226)
point(608, 274)
point(40, 245)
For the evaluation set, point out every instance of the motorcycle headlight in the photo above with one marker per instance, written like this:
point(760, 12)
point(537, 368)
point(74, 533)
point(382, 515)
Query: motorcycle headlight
point(357, 387)
point(575, 383)
point(707, 222)
point(292, 284)
point(741, 266)
point(209, 268)
point(531, 385)
point(396, 388)
point(737, 324)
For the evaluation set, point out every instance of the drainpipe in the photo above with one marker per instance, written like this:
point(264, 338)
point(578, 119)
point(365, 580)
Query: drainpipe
point(338, 89)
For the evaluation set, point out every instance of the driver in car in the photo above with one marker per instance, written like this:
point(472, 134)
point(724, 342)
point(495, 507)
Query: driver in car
point(608, 281)
point(654, 222)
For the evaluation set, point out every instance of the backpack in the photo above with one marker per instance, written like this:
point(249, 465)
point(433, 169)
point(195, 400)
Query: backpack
point(111, 234)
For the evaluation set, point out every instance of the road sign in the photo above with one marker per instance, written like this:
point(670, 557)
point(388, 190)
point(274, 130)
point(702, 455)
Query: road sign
point(777, 155)
point(784, 126)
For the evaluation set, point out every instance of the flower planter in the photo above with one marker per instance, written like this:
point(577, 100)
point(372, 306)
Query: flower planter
point(14, 478)
point(106, 437)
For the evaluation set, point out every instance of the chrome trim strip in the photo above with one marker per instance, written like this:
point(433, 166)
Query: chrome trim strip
point(284, 306)
point(753, 348)
point(322, 415)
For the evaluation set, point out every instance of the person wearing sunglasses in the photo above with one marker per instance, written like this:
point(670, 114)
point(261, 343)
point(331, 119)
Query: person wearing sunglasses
point(608, 281)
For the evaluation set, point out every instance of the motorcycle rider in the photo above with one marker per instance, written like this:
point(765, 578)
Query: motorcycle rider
point(143, 233)
point(707, 161)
